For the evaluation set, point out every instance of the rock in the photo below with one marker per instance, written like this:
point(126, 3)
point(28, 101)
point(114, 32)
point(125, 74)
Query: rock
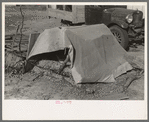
point(90, 91)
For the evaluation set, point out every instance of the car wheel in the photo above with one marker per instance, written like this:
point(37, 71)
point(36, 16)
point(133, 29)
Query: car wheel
point(121, 36)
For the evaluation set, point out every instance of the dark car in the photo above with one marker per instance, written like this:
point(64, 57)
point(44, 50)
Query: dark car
point(123, 23)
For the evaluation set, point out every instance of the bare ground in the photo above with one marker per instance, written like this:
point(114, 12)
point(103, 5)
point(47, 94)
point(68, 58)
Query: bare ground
point(44, 83)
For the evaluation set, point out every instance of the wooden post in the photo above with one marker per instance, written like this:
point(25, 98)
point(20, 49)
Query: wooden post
point(74, 13)
point(65, 61)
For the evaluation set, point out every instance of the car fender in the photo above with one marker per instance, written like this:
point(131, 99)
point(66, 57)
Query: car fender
point(122, 24)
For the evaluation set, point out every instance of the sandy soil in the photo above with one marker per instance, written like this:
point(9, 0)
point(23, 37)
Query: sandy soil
point(44, 83)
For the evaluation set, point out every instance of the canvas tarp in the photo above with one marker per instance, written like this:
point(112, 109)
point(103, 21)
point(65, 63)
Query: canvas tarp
point(97, 56)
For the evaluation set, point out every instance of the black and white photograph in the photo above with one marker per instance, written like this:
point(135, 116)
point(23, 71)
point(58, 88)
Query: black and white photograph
point(74, 52)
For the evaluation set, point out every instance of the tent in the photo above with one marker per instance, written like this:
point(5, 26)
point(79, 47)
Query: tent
point(96, 56)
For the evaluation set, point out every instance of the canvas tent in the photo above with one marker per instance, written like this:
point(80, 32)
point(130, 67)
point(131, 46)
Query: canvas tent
point(96, 54)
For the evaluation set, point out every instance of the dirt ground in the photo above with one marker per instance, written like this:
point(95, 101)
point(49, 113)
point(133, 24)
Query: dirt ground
point(44, 83)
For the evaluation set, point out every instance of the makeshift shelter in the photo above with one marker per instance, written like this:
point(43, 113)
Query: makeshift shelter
point(96, 57)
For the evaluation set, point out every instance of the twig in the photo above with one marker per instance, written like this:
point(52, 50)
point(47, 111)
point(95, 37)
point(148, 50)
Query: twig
point(38, 76)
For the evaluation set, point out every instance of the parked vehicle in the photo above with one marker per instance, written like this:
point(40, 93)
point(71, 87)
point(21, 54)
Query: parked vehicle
point(125, 24)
